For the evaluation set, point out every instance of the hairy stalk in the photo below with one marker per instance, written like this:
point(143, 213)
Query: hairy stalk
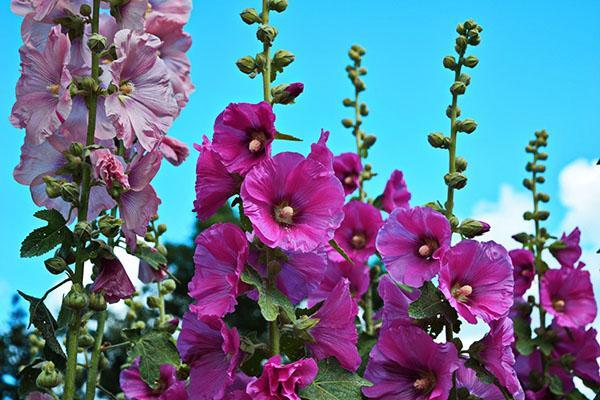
point(266, 74)
point(161, 305)
point(96, 353)
point(74, 326)
point(453, 140)
point(359, 141)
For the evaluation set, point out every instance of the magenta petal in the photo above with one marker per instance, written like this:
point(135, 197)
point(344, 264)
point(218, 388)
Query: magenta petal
point(524, 269)
point(395, 303)
point(396, 192)
point(568, 256)
point(175, 151)
point(356, 274)
point(280, 381)
point(320, 152)
point(169, 387)
point(348, 167)
point(466, 378)
point(137, 209)
point(113, 281)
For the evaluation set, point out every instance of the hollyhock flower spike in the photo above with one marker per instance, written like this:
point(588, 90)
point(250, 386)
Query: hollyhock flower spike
point(477, 280)
point(524, 270)
point(348, 167)
point(243, 135)
point(358, 231)
point(169, 387)
point(568, 295)
point(411, 243)
point(356, 274)
point(583, 348)
point(212, 351)
point(335, 335)
point(220, 257)
point(293, 202)
point(143, 104)
point(113, 281)
point(466, 378)
point(214, 185)
point(407, 364)
point(43, 96)
point(396, 193)
point(282, 382)
point(569, 252)
point(395, 303)
point(498, 358)
point(174, 150)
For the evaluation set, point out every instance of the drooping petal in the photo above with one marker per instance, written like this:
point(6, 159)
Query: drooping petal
point(113, 281)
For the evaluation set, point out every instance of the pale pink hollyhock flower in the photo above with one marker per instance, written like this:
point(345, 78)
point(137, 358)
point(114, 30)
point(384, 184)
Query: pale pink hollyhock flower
point(113, 281)
point(143, 105)
point(347, 167)
point(214, 184)
point(523, 270)
point(77, 122)
point(39, 396)
point(293, 202)
point(282, 382)
point(356, 274)
point(174, 150)
point(109, 169)
point(148, 274)
point(335, 335)
point(568, 295)
point(243, 134)
point(477, 280)
point(212, 351)
point(220, 257)
point(395, 303)
point(43, 96)
point(396, 192)
point(169, 387)
point(407, 364)
point(179, 10)
point(131, 14)
point(411, 243)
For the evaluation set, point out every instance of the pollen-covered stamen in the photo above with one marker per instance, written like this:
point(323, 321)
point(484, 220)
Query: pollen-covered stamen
point(559, 305)
point(462, 292)
point(148, 8)
point(359, 240)
point(255, 145)
point(257, 141)
point(284, 215)
point(425, 383)
point(54, 89)
point(348, 180)
point(126, 88)
point(428, 247)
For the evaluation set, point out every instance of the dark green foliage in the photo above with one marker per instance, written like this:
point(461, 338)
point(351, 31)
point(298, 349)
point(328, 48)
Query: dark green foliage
point(14, 350)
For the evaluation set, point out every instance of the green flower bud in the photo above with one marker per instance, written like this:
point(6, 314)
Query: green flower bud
point(53, 186)
point(455, 180)
point(97, 302)
point(138, 325)
point(161, 228)
point(458, 88)
point(348, 103)
point(266, 34)
point(354, 56)
point(460, 29)
point(467, 125)
point(540, 179)
point(527, 215)
point(161, 249)
point(453, 222)
point(85, 10)
point(250, 16)
point(89, 84)
point(348, 123)
point(168, 286)
point(76, 149)
point(364, 111)
point(369, 141)
point(521, 237)
point(359, 49)
point(461, 164)
point(77, 299)
point(542, 156)
point(465, 78)
point(97, 42)
point(362, 71)
point(471, 228)
point(85, 340)
point(542, 215)
point(83, 231)
point(283, 58)
point(286, 93)
point(474, 39)
point(435, 206)
point(246, 65)
point(360, 85)
point(450, 62)
point(69, 192)
point(528, 184)
point(278, 5)
point(529, 167)
point(153, 302)
point(109, 225)
point(55, 265)
point(470, 24)
point(461, 44)
point(438, 140)
point(471, 61)
point(529, 149)
point(539, 168)
point(449, 111)
point(543, 197)
point(49, 377)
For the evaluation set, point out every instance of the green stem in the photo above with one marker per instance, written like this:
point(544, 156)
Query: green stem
point(82, 212)
point(369, 311)
point(161, 305)
point(359, 139)
point(453, 139)
point(266, 75)
point(274, 333)
point(96, 353)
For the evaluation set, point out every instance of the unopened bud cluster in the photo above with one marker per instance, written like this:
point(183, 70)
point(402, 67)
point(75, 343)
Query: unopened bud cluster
point(537, 168)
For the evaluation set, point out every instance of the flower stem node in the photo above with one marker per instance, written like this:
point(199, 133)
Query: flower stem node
point(55, 265)
point(266, 34)
point(250, 16)
point(49, 377)
point(278, 5)
point(77, 299)
point(97, 302)
point(455, 180)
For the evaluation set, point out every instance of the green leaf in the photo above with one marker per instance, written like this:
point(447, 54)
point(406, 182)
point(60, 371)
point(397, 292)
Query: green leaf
point(334, 383)
point(524, 344)
point(365, 344)
point(27, 377)
point(284, 136)
point(556, 386)
point(341, 251)
point(155, 348)
point(153, 257)
point(42, 240)
point(270, 300)
point(429, 304)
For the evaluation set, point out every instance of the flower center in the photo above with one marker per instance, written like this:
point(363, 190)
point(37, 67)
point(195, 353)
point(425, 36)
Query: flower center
point(255, 145)
point(126, 88)
point(359, 240)
point(425, 383)
point(462, 293)
point(348, 180)
point(54, 89)
point(559, 305)
point(284, 215)
point(428, 247)
point(257, 141)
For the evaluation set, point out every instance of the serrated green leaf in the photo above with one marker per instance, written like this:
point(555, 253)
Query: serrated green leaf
point(429, 304)
point(334, 383)
point(270, 300)
point(341, 251)
point(42, 240)
point(285, 136)
point(155, 348)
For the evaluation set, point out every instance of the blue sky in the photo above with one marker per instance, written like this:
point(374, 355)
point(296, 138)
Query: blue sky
point(539, 64)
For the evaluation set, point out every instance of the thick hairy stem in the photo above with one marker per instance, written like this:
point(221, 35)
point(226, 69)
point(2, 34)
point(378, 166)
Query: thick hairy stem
point(96, 353)
point(161, 305)
point(267, 53)
point(453, 140)
point(73, 332)
point(359, 142)
point(537, 248)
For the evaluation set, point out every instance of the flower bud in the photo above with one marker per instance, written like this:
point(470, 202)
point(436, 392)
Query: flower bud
point(542, 156)
point(109, 225)
point(465, 78)
point(69, 192)
point(438, 140)
point(162, 228)
point(246, 65)
point(85, 10)
point(250, 16)
point(521, 237)
point(542, 215)
point(359, 49)
point(543, 197)
point(153, 302)
point(453, 222)
point(77, 298)
point(528, 184)
point(168, 286)
point(354, 56)
point(362, 71)
point(85, 340)
point(53, 186)
point(470, 24)
point(360, 85)
point(97, 302)
point(461, 164)
point(55, 265)
point(161, 249)
point(458, 88)
point(170, 325)
point(461, 44)
point(278, 5)
point(369, 141)
point(460, 29)
point(348, 123)
point(539, 168)
point(83, 231)
point(348, 103)
point(527, 215)
point(467, 125)
point(97, 42)
point(286, 94)
point(540, 179)
point(474, 39)
point(471, 228)
point(76, 149)
point(450, 62)
point(364, 110)
point(138, 325)
point(471, 61)
point(49, 377)
point(449, 111)
point(266, 34)
point(455, 180)
point(283, 58)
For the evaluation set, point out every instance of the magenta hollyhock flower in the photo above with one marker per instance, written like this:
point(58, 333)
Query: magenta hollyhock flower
point(320, 152)
point(395, 303)
point(143, 106)
point(179, 10)
point(523, 270)
point(174, 150)
point(466, 378)
point(169, 387)
point(347, 167)
point(568, 295)
point(356, 274)
point(477, 280)
point(335, 334)
point(212, 351)
point(281, 382)
point(497, 355)
point(172, 50)
point(294, 90)
point(113, 281)
point(43, 96)
point(109, 168)
point(530, 366)
point(243, 135)
point(358, 231)
point(148, 274)
point(293, 202)
point(583, 346)
point(407, 364)
point(571, 252)
point(214, 185)
point(237, 390)
point(396, 192)
point(220, 257)
point(411, 243)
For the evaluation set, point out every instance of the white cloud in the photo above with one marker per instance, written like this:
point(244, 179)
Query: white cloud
point(504, 215)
